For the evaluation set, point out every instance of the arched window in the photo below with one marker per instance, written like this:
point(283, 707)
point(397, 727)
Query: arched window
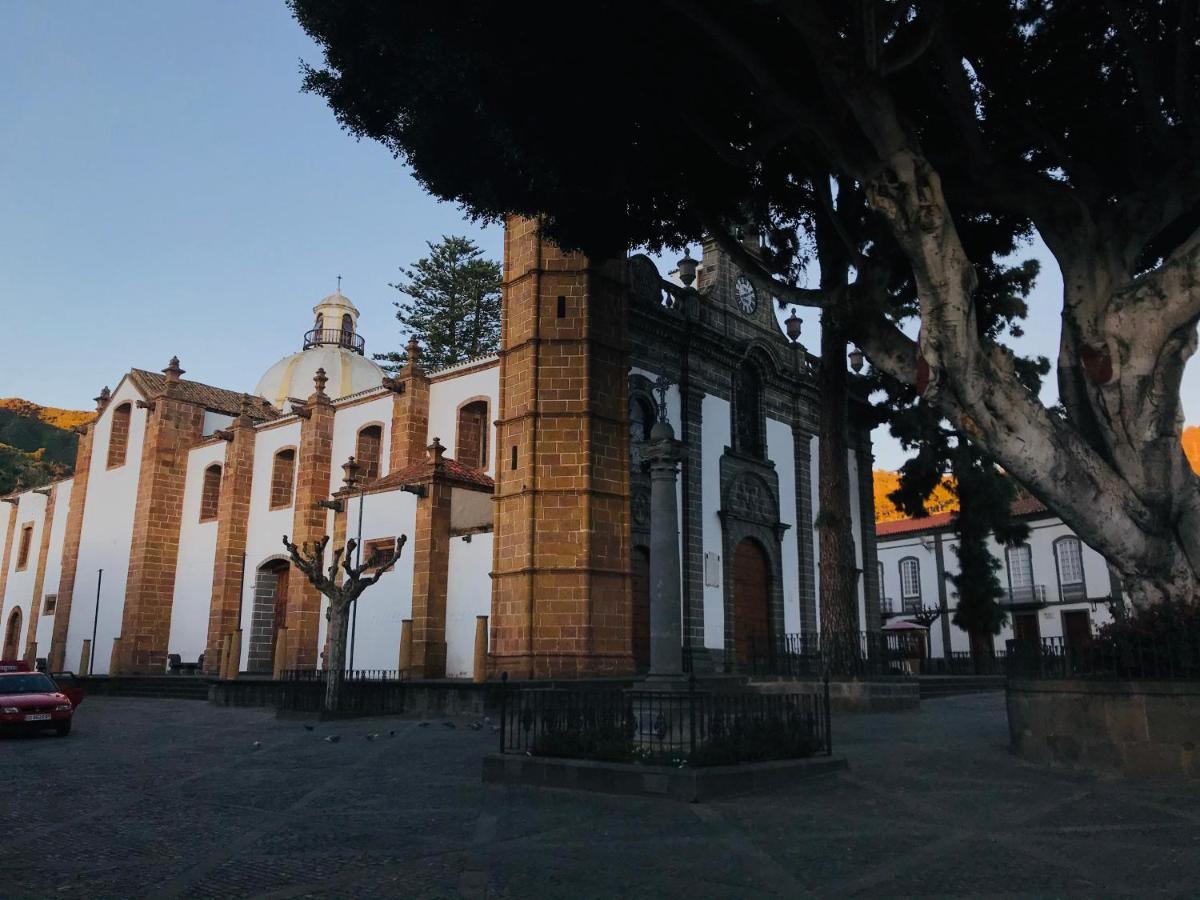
point(471, 438)
point(118, 435)
point(283, 472)
point(12, 635)
point(320, 325)
point(1068, 558)
point(210, 493)
point(747, 411)
point(347, 331)
point(367, 451)
point(910, 582)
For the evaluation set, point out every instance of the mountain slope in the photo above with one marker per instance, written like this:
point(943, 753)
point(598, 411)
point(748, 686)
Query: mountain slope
point(37, 444)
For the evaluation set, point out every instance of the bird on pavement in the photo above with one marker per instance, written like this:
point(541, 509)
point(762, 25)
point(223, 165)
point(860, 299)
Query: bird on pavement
point(309, 727)
point(449, 725)
point(371, 737)
point(258, 745)
point(333, 739)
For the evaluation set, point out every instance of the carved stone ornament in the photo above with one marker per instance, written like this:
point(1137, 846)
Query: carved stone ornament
point(750, 498)
point(640, 508)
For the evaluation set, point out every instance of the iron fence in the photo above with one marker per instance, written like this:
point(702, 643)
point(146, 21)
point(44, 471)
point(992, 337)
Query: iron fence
point(693, 727)
point(963, 662)
point(857, 653)
point(364, 692)
point(1171, 656)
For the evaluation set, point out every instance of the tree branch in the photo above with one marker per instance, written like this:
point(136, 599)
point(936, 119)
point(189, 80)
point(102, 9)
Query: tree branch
point(918, 37)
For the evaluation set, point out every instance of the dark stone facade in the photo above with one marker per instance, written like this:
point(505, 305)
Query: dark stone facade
point(706, 344)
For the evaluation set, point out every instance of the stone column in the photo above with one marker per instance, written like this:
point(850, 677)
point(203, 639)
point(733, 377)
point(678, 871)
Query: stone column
point(664, 454)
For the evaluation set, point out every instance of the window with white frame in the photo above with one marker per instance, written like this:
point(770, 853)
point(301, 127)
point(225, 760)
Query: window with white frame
point(910, 578)
point(1068, 553)
point(1020, 566)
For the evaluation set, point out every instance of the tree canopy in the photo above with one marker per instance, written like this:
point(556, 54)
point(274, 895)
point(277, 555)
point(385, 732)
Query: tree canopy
point(452, 305)
point(932, 137)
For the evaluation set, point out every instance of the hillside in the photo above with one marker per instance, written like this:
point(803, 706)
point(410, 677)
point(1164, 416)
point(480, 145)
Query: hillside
point(943, 499)
point(36, 443)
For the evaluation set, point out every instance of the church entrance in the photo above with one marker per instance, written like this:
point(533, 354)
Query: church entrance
point(12, 635)
point(751, 600)
point(641, 608)
point(270, 611)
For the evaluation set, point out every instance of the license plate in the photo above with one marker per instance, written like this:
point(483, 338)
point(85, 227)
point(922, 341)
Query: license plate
point(38, 717)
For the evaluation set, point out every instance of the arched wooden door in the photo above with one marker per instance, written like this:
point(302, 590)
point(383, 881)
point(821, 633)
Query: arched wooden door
point(641, 608)
point(12, 635)
point(751, 599)
point(270, 612)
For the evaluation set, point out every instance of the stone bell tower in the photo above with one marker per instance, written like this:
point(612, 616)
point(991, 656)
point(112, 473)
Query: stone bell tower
point(561, 591)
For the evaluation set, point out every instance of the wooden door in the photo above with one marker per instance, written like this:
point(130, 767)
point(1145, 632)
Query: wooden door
point(279, 619)
point(1025, 627)
point(641, 608)
point(1077, 628)
point(751, 600)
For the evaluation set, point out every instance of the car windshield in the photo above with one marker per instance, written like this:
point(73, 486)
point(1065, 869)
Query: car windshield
point(27, 683)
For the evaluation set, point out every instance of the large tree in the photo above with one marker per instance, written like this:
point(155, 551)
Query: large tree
point(651, 123)
point(452, 304)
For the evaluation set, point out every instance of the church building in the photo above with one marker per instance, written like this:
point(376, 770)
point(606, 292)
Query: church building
point(520, 480)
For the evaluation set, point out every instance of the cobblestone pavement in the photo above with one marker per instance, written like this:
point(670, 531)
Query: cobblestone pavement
point(165, 798)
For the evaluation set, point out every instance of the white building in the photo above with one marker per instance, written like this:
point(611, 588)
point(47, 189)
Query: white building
point(1055, 585)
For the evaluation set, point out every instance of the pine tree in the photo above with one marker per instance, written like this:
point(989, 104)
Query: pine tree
point(452, 305)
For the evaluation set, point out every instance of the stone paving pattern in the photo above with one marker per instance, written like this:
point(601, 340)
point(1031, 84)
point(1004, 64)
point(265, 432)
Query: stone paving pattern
point(169, 798)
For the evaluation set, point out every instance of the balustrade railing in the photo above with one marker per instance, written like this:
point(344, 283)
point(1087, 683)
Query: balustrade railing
point(334, 337)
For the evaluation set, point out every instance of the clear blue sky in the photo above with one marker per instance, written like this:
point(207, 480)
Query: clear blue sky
point(165, 188)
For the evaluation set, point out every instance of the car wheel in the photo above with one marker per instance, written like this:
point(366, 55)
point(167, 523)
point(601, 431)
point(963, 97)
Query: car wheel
point(62, 729)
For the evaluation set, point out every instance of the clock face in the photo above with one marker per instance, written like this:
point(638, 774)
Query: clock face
point(747, 297)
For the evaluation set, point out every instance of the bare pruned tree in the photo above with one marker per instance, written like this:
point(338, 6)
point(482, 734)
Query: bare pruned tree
point(341, 594)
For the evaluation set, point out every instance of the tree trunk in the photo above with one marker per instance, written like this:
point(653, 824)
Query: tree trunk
point(339, 630)
point(839, 599)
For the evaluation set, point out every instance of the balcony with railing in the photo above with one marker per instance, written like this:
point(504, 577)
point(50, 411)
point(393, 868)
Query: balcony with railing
point(1025, 595)
point(335, 337)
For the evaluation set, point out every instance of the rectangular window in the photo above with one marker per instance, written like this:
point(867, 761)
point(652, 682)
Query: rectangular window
point(1069, 554)
point(562, 307)
point(1020, 567)
point(23, 547)
point(514, 458)
point(910, 579)
point(49, 604)
point(375, 551)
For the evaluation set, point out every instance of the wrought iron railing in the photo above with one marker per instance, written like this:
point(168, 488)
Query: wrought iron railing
point(963, 662)
point(850, 653)
point(692, 727)
point(364, 692)
point(1155, 657)
point(1025, 595)
point(349, 675)
point(319, 337)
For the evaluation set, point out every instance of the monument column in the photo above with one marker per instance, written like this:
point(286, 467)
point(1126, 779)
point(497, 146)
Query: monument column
point(666, 653)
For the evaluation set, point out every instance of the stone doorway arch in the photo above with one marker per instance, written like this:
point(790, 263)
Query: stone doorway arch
point(751, 600)
point(268, 615)
point(12, 635)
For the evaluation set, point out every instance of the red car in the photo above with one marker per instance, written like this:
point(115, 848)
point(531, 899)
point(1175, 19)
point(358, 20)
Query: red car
point(34, 700)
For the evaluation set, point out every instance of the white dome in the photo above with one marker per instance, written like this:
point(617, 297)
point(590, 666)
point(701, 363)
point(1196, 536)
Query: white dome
point(347, 371)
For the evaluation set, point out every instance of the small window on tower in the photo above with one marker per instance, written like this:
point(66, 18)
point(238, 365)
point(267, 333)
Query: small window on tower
point(118, 435)
point(514, 457)
point(26, 542)
point(210, 493)
point(368, 450)
point(49, 604)
point(562, 307)
point(283, 473)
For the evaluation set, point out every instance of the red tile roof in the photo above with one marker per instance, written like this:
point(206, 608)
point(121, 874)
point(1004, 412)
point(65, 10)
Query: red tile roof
point(1024, 505)
point(215, 399)
point(452, 470)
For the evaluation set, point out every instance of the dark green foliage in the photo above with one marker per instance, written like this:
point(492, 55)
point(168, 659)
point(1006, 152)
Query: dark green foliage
point(33, 452)
point(452, 305)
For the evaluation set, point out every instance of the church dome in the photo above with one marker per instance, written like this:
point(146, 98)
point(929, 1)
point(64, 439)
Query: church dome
point(332, 344)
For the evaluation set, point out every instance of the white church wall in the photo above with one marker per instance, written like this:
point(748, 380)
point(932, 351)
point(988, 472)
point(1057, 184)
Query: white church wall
point(780, 449)
point(347, 422)
point(714, 438)
point(265, 527)
point(18, 593)
point(194, 567)
point(468, 594)
point(105, 537)
point(446, 395)
point(58, 533)
point(382, 606)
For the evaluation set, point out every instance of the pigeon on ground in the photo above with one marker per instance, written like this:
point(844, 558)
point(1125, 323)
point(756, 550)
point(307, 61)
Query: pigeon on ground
point(449, 725)
point(333, 739)
point(422, 724)
point(371, 737)
point(475, 726)
point(487, 720)
point(309, 727)
point(392, 733)
point(258, 745)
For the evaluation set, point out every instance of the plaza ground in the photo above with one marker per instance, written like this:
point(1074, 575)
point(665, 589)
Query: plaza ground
point(168, 798)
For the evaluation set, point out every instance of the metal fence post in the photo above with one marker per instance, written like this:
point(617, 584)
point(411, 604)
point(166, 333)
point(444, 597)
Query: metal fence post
point(503, 709)
point(828, 721)
point(691, 714)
